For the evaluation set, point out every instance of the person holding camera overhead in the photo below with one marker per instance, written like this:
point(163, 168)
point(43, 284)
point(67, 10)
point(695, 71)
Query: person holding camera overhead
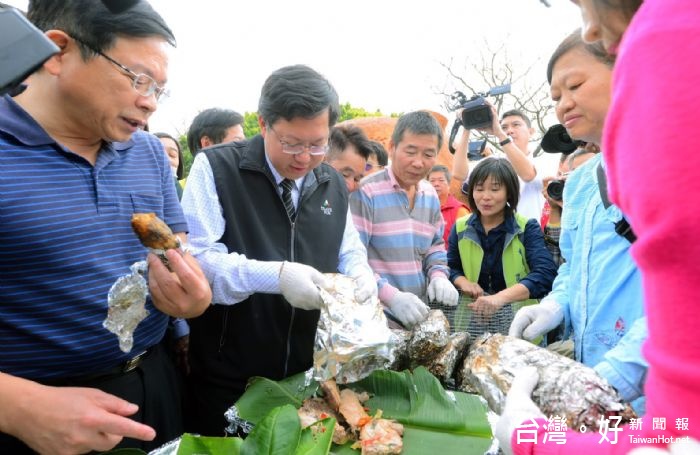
point(513, 133)
point(598, 291)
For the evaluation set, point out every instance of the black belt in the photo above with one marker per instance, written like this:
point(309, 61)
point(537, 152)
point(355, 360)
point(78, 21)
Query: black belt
point(121, 369)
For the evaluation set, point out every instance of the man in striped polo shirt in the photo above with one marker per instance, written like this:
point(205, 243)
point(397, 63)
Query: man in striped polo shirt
point(397, 213)
point(75, 167)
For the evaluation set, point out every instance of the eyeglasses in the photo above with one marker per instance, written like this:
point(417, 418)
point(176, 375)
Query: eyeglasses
point(296, 149)
point(144, 84)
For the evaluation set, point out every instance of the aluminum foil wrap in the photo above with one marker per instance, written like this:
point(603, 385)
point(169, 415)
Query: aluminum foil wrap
point(126, 302)
point(169, 448)
point(352, 338)
point(566, 388)
point(443, 364)
point(401, 358)
point(429, 338)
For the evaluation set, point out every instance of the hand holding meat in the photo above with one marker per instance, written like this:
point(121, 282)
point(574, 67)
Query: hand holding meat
point(153, 232)
point(181, 291)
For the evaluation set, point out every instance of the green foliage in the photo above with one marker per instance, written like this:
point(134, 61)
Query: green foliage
point(186, 155)
point(456, 422)
point(250, 124)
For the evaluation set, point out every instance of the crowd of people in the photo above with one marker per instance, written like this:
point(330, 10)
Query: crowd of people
point(606, 268)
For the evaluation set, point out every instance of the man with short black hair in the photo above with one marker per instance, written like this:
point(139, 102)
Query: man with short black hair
point(214, 126)
point(267, 218)
point(514, 133)
point(397, 213)
point(76, 167)
point(348, 151)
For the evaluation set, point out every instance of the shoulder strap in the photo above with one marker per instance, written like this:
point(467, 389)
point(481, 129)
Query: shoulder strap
point(622, 227)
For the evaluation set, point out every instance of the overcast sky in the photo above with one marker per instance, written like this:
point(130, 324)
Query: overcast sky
point(379, 54)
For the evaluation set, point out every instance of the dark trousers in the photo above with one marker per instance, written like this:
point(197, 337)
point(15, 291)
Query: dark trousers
point(152, 386)
point(205, 405)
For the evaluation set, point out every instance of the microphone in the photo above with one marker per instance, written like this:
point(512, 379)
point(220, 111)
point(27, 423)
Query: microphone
point(119, 6)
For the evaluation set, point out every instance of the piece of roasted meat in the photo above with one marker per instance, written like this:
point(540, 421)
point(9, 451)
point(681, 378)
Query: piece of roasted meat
point(377, 436)
point(314, 409)
point(153, 232)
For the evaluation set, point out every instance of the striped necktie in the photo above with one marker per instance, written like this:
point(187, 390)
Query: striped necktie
point(287, 186)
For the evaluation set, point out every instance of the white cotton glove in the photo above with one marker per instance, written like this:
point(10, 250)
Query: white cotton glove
point(440, 290)
point(408, 308)
point(689, 447)
point(299, 284)
point(519, 408)
point(366, 284)
point(534, 320)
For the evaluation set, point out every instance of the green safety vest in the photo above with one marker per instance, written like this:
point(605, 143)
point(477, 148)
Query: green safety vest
point(515, 266)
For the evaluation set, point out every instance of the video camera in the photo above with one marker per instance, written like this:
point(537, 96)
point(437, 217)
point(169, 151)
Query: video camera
point(476, 111)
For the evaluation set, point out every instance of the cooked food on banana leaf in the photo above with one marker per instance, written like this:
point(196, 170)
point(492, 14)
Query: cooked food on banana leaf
point(377, 436)
point(314, 409)
point(153, 232)
point(566, 388)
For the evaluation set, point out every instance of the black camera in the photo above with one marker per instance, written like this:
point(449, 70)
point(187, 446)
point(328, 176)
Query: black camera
point(476, 112)
point(23, 49)
point(555, 189)
point(557, 140)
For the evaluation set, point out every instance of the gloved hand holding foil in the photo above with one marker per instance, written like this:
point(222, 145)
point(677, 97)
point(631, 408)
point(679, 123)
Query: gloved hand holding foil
point(352, 338)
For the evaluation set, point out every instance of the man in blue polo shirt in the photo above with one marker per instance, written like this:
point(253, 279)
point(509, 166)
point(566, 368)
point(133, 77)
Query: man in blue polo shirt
point(75, 167)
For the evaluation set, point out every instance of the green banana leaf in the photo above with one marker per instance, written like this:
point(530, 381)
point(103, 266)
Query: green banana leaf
point(204, 445)
point(263, 395)
point(430, 416)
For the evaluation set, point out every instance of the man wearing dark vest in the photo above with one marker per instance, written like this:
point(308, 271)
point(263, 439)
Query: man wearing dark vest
point(267, 218)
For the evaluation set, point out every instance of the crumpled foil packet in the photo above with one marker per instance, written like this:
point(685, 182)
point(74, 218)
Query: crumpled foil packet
point(566, 388)
point(236, 423)
point(126, 305)
point(352, 338)
point(169, 448)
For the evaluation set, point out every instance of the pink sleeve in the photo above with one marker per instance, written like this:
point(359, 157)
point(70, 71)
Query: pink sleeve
point(653, 160)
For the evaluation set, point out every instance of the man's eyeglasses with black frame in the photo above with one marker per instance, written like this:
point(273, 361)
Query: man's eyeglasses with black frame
point(144, 84)
point(297, 149)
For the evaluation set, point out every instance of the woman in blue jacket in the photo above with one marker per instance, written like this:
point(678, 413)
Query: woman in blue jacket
point(496, 256)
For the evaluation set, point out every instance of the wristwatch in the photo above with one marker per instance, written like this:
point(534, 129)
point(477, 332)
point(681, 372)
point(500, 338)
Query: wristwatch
point(506, 141)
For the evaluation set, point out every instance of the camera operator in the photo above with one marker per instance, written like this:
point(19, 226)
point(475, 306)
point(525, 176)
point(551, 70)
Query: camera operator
point(513, 133)
point(552, 190)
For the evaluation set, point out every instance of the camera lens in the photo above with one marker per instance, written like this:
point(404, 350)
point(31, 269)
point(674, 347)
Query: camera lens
point(555, 189)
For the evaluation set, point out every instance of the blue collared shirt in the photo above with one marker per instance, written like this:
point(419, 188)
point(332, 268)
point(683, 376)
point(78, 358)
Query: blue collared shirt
point(599, 286)
point(65, 238)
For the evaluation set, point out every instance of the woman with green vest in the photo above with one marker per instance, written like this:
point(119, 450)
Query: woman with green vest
point(497, 258)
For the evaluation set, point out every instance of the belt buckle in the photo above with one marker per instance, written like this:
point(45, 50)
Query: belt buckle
point(132, 363)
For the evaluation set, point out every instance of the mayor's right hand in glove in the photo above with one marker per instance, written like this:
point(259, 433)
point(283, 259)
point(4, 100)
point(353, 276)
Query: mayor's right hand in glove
point(535, 320)
point(408, 308)
point(299, 285)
